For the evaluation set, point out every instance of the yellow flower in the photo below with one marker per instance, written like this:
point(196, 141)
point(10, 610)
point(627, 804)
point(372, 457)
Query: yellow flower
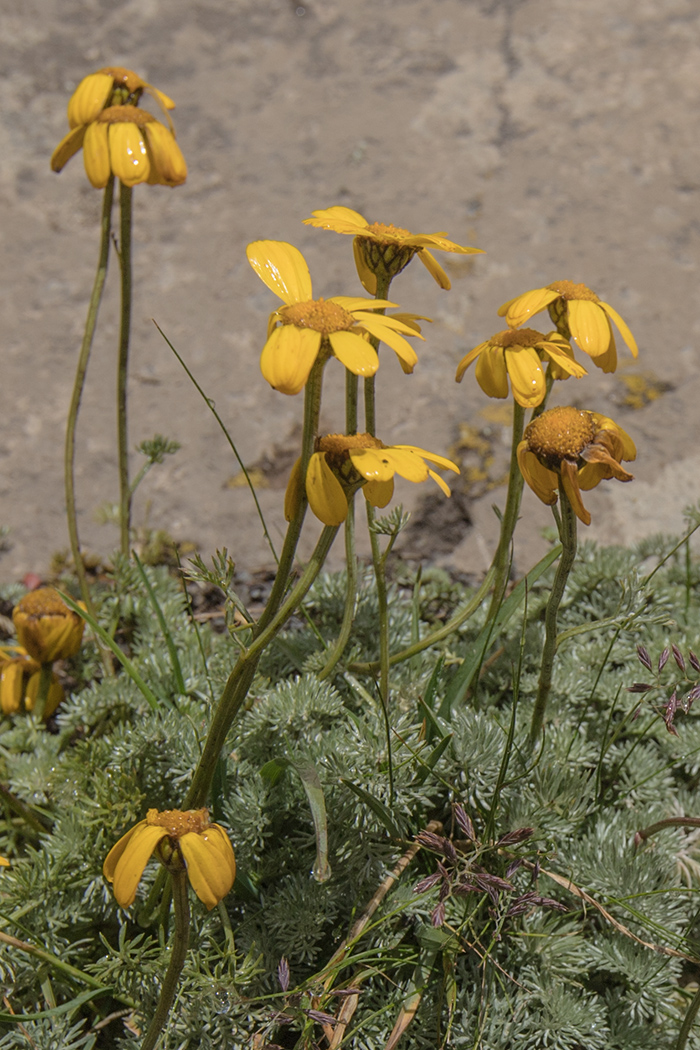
point(576, 307)
point(4, 862)
point(46, 627)
point(519, 354)
point(19, 681)
point(126, 142)
point(577, 447)
point(110, 86)
point(386, 249)
point(180, 839)
point(343, 463)
point(304, 327)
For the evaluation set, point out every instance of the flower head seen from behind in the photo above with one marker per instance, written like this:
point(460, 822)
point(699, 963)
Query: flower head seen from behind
point(19, 682)
point(305, 327)
point(576, 308)
point(576, 447)
point(343, 463)
point(520, 356)
point(46, 628)
point(181, 839)
point(387, 249)
point(116, 137)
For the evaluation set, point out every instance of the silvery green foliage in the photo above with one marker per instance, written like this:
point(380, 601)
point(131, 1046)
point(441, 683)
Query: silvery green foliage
point(497, 973)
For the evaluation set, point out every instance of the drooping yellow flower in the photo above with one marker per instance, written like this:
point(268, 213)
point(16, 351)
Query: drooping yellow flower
point(386, 250)
point(126, 142)
point(520, 355)
point(46, 627)
point(343, 463)
point(581, 448)
point(180, 839)
point(111, 86)
point(304, 327)
point(19, 682)
point(576, 308)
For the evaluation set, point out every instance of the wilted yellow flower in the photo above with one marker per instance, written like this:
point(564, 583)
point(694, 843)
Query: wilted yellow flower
point(298, 331)
point(386, 249)
point(46, 627)
point(519, 354)
point(19, 682)
point(126, 142)
point(342, 463)
point(580, 448)
point(180, 839)
point(574, 306)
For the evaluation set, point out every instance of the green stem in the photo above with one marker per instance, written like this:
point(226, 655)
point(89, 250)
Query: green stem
point(567, 534)
point(42, 695)
point(241, 677)
point(502, 558)
point(688, 1021)
point(78, 386)
point(350, 402)
point(178, 953)
point(350, 594)
point(125, 201)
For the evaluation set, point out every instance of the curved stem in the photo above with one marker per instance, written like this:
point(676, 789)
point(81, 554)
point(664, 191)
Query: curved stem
point(78, 386)
point(178, 954)
point(567, 534)
point(501, 561)
point(688, 1021)
point(125, 201)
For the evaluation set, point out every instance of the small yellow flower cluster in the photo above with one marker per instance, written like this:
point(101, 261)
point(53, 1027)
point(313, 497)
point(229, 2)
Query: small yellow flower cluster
point(47, 630)
point(116, 137)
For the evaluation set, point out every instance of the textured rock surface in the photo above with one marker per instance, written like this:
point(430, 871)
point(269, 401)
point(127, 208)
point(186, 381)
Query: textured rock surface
point(559, 137)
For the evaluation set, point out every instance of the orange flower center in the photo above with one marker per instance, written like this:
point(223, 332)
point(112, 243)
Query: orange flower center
point(43, 602)
point(322, 315)
point(125, 115)
point(569, 290)
point(559, 434)
point(519, 337)
point(391, 233)
point(337, 444)
point(178, 822)
point(127, 77)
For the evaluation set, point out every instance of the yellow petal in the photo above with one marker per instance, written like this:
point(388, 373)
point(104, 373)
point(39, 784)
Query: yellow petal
point(288, 357)
point(338, 218)
point(387, 321)
point(605, 423)
point(589, 326)
point(526, 375)
point(96, 155)
point(543, 482)
point(607, 362)
point(54, 697)
point(282, 268)
point(4, 862)
point(491, 373)
point(354, 352)
point(403, 350)
point(324, 492)
point(440, 243)
point(210, 870)
point(439, 461)
point(67, 147)
point(564, 360)
point(378, 493)
point(127, 859)
point(50, 637)
point(372, 464)
point(292, 495)
point(405, 462)
point(161, 98)
point(11, 688)
point(523, 306)
point(467, 360)
point(441, 484)
point(89, 98)
point(622, 327)
point(167, 155)
point(368, 279)
point(128, 155)
point(569, 480)
point(434, 269)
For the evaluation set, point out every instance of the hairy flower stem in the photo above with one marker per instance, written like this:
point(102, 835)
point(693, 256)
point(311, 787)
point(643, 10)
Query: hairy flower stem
point(502, 558)
point(42, 695)
point(178, 953)
point(125, 202)
point(78, 386)
point(567, 535)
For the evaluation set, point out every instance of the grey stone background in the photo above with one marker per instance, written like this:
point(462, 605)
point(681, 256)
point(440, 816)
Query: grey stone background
point(559, 136)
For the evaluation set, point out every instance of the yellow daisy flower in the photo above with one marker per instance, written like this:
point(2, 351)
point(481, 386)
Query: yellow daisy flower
point(577, 447)
point(110, 86)
point(126, 142)
point(576, 307)
point(179, 838)
point(520, 355)
point(46, 628)
point(19, 683)
point(386, 249)
point(343, 463)
point(304, 327)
